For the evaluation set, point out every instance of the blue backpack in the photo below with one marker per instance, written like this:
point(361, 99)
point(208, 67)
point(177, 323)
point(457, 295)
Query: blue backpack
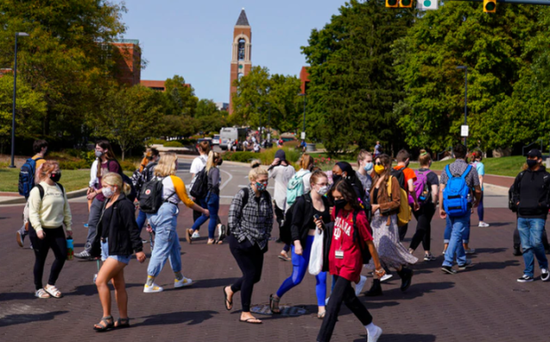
point(26, 177)
point(455, 194)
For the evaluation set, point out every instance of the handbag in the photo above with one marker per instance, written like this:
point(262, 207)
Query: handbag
point(316, 257)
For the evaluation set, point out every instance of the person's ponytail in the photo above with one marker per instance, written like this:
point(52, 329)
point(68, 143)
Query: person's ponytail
point(127, 189)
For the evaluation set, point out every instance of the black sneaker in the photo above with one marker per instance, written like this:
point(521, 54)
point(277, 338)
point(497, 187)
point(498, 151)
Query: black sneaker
point(525, 279)
point(468, 264)
point(517, 252)
point(448, 269)
point(544, 275)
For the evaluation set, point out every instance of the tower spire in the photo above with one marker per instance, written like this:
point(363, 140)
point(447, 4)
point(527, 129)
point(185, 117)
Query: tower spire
point(243, 20)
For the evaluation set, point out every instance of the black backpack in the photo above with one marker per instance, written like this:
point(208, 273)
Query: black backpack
point(150, 197)
point(199, 189)
point(400, 176)
point(26, 177)
point(286, 236)
point(133, 193)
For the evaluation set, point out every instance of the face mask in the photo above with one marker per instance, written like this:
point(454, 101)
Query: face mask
point(221, 162)
point(368, 167)
point(261, 186)
point(379, 169)
point(98, 154)
point(340, 204)
point(107, 192)
point(323, 190)
point(336, 178)
point(55, 177)
point(532, 162)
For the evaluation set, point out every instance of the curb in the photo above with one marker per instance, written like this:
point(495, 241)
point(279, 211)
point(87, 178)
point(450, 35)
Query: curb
point(21, 199)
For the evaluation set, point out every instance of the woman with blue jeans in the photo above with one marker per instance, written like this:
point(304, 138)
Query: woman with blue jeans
point(212, 199)
point(302, 231)
point(164, 223)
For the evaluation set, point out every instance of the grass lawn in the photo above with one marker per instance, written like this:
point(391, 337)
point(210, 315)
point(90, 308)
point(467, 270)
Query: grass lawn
point(505, 166)
point(70, 179)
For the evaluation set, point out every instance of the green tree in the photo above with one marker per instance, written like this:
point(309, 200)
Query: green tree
point(353, 84)
point(249, 103)
point(181, 97)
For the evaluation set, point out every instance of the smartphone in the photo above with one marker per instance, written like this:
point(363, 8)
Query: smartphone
point(317, 217)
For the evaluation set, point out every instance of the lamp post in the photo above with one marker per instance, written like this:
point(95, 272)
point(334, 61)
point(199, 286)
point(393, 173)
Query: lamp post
point(465, 100)
point(22, 34)
point(304, 125)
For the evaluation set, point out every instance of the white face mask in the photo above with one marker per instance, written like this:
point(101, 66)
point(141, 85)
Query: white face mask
point(107, 192)
point(323, 190)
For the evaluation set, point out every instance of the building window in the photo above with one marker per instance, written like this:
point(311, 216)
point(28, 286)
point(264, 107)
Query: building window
point(241, 49)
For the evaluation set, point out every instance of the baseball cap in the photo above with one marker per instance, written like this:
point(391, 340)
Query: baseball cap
point(534, 153)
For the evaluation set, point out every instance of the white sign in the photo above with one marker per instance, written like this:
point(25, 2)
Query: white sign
point(425, 5)
point(464, 131)
point(268, 136)
point(303, 135)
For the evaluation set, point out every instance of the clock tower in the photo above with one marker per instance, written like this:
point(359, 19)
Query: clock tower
point(242, 53)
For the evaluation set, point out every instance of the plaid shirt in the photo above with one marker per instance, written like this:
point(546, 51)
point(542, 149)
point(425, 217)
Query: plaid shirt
point(254, 221)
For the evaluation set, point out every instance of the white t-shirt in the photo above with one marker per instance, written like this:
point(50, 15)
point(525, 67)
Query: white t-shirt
point(198, 164)
point(281, 174)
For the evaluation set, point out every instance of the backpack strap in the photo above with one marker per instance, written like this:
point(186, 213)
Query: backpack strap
point(466, 172)
point(41, 190)
point(448, 172)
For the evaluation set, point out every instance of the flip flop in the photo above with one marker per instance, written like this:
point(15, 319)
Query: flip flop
point(251, 320)
point(227, 301)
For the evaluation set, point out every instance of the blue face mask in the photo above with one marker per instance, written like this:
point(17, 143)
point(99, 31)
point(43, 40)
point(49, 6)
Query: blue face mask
point(368, 167)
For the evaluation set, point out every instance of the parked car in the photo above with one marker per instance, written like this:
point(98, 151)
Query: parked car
point(216, 139)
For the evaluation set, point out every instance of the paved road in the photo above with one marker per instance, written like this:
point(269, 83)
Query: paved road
point(484, 303)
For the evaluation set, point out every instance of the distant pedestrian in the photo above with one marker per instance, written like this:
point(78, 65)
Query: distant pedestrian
point(49, 210)
point(478, 157)
point(377, 149)
point(197, 165)
point(464, 178)
point(146, 175)
point(40, 148)
point(365, 164)
point(532, 192)
point(116, 240)
point(250, 223)
point(406, 178)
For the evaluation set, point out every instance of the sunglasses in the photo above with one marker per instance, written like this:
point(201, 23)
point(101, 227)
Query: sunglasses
point(379, 163)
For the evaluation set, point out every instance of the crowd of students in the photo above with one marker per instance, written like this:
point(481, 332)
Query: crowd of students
point(363, 215)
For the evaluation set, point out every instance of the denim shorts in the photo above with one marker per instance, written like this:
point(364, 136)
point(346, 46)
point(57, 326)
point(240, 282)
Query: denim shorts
point(105, 253)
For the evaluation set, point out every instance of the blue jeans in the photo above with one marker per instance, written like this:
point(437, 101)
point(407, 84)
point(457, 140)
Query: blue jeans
point(458, 227)
point(167, 242)
point(141, 219)
point(530, 234)
point(448, 228)
point(213, 205)
point(300, 264)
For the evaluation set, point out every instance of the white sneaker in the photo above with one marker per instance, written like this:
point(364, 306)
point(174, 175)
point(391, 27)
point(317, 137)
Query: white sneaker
point(544, 275)
point(374, 336)
point(326, 301)
point(483, 224)
point(196, 235)
point(183, 282)
point(152, 289)
point(386, 277)
point(359, 286)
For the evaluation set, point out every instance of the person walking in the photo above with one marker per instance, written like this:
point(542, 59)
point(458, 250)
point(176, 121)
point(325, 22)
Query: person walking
point(116, 240)
point(146, 175)
point(197, 165)
point(212, 199)
point(302, 232)
point(49, 210)
point(377, 149)
point(480, 168)
point(164, 224)
point(346, 239)
point(282, 172)
point(250, 223)
point(427, 202)
point(365, 166)
point(462, 175)
point(40, 148)
point(104, 152)
point(385, 201)
point(406, 178)
point(531, 197)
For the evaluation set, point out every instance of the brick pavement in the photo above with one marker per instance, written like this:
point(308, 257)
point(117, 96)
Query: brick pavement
point(484, 303)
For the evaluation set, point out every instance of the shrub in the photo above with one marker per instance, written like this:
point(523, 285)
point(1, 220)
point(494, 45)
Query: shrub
point(243, 157)
point(188, 142)
point(173, 144)
point(154, 141)
point(128, 166)
point(73, 165)
point(292, 155)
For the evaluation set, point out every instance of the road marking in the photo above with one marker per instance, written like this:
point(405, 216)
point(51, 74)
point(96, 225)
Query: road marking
point(227, 181)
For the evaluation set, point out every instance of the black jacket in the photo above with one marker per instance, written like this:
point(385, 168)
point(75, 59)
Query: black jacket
point(533, 192)
point(124, 234)
point(327, 241)
point(302, 213)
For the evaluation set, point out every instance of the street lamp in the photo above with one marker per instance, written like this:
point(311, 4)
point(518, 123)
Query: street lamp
point(465, 101)
point(304, 125)
point(17, 34)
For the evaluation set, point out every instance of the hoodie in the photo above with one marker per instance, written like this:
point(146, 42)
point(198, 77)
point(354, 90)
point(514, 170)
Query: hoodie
point(533, 188)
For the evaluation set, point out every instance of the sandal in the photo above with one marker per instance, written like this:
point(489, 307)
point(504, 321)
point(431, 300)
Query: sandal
point(106, 325)
point(42, 294)
point(211, 242)
point(122, 323)
point(251, 320)
point(321, 315)
point(230, 306)
point(274, 305)
point(53, 291)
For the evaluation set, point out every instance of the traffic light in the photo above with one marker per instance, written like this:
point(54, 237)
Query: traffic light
point(392, 3)
point(489, 6)
point(405, 3)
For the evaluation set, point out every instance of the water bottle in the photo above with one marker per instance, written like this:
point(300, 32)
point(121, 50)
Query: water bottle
point(70, 248)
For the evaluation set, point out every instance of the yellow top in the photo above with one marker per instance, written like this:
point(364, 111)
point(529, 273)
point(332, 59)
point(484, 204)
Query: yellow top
point(173, 186)
point(52, 211)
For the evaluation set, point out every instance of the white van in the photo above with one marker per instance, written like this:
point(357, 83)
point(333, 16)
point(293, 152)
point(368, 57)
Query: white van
point(233, 133)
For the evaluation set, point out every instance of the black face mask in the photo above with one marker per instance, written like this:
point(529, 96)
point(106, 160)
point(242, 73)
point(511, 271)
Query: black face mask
point(532, 162)
point(221, 162)
point(336, 178)
point(340, 204)
point(55, 177)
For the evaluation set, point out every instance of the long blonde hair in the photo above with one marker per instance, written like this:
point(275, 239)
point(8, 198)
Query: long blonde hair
point(210, 162)
point(166, 165)
point(306, 161)
point(256, 171)
point(114, 179)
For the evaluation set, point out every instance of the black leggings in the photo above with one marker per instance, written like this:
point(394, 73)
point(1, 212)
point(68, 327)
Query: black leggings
point(423, 226)
point(342, 292)
point(250, 259)
point(54, 239)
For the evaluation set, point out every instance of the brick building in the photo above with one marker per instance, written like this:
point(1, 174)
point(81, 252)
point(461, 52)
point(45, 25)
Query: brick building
point(241, 60)
point(128, 61)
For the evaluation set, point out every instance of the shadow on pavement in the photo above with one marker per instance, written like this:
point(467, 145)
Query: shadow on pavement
point(402, 338)
point(16, 296)
point(416, 290)
point(500, 224)
point(495, 265)
point(27, 318)
point(218, 282)
point(189, 317)
point(91, 289)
